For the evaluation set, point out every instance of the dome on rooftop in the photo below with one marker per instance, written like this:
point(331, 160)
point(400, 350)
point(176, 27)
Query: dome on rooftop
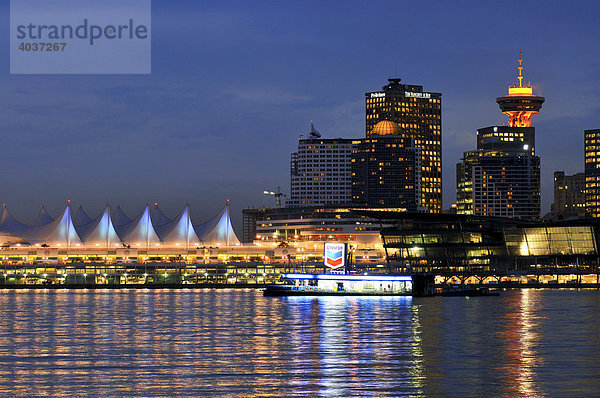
point(386, 127)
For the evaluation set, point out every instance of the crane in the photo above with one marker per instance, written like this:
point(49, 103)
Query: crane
point(277, 195)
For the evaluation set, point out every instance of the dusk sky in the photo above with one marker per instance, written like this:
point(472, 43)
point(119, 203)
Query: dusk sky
point(233, 84)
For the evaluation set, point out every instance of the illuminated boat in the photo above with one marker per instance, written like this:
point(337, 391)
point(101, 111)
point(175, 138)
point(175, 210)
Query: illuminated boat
point(342, 285)
point(340, 280)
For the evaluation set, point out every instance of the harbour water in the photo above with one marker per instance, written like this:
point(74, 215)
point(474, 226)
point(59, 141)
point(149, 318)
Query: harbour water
point(239, 343)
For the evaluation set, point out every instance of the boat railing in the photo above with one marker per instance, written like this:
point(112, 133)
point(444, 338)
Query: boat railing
point(294, 287)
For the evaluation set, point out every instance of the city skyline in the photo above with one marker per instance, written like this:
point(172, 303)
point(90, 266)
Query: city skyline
point(259, 198)
point(258, 75)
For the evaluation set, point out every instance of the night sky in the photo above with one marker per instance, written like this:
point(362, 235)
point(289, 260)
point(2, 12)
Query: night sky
point(234, 84)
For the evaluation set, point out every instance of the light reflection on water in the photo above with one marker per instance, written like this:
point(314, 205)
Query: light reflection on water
point(238, 343)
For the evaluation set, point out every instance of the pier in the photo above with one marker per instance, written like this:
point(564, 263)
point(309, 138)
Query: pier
point(260, 274)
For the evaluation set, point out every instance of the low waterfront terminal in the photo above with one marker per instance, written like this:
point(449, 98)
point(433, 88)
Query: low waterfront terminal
point(256, 275)
point(151, 250)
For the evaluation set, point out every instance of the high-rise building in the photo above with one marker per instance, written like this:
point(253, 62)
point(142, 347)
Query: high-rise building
point(592, 172)
point(418, 116)
point(320, 171)
point(464, 182)
point(386, 170)
point(507, 185)
point(491, 141)
point(502, 177)
point(507, 139)
point(569, 194)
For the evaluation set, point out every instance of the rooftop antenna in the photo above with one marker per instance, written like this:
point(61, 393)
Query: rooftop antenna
point(314, 133)
point(520, 68)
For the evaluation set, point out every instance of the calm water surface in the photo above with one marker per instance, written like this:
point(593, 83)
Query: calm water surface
point(238, 343)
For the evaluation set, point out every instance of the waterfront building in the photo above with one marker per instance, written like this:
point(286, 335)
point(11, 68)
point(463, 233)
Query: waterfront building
point(386, 170)
point(417, 115)
point(502, 177)
point(592, 172)
point(320, 171)
point(288, 239)
point(569, 194)
point(456, 248)
point(309, 227)
point(434, 243)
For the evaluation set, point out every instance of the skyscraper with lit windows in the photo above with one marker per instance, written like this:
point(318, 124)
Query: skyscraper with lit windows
point(386, 171)
point(418, 116)
point(569, 194)
point(592, 172)
point(320, 171)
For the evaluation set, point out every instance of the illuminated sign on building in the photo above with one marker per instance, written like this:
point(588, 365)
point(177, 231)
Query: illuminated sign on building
point(335, 255)
point(416, 95)
point(377, 95)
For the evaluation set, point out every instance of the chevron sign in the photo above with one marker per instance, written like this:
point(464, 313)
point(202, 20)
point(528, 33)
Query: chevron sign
point(335, 255)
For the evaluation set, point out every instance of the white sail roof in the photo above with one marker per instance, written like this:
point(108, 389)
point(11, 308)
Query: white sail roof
point(104, 229)
point(99, 232)
point(43, 218)
point(120, 217)
point(139, 231)
point(81, 217)
point(10, 224)
point(219, 230)
point(158, 217)
point(60, 232)
point(179, 231)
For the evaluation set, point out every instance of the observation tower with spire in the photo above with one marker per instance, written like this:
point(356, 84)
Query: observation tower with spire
point(501, 177)
point(520, 103)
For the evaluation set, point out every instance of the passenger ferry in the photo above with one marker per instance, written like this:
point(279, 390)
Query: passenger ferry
point(342, 285)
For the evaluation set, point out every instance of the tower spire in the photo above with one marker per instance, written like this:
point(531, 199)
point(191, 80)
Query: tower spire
point(520, 77)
